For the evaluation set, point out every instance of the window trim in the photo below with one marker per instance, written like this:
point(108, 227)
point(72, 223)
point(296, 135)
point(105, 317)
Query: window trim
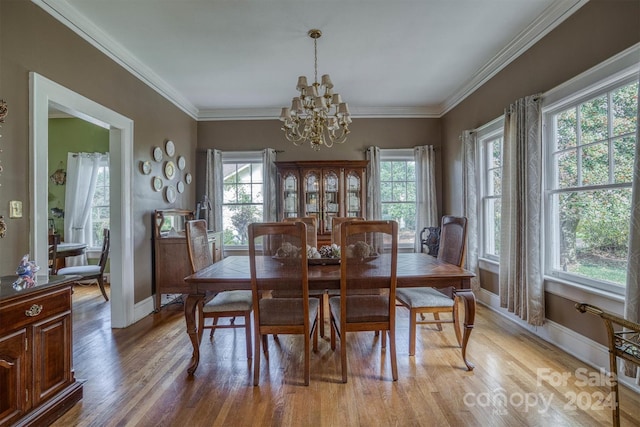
point(617, 71)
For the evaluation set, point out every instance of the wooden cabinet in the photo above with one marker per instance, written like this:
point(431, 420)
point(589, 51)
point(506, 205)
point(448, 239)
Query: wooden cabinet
point(323, 189)
point(170, 257)
point(36, 372)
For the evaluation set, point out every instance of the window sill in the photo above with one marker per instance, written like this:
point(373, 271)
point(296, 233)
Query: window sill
point(573, 291)
point(489, 265)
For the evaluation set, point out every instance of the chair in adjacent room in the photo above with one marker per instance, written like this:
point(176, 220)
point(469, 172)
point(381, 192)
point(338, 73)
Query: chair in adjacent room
point(419, 301)
point(287, 271)
point(54, 241)
point(366, 265)
point(226, 304)
point(93, 271)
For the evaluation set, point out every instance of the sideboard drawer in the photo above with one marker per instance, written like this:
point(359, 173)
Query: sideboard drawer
point(39, 306)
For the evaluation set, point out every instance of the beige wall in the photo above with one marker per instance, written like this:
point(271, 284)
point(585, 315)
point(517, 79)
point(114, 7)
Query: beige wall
point(596, 32)
point(31, 40)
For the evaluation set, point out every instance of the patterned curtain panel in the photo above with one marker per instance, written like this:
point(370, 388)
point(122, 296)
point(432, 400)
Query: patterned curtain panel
point(269, 191)
point(521, 285)
point(426, 203)
point(374, 202)
point(469, 142)
point(632, 299)
point(213, 189)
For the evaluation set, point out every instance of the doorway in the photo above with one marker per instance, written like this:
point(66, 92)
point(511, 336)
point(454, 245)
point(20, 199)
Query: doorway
point(44, 94)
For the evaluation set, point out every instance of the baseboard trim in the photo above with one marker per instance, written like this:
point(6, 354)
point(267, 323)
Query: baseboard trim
point(584, 349)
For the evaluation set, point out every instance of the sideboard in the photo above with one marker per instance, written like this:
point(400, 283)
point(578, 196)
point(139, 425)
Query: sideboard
point(37, 382)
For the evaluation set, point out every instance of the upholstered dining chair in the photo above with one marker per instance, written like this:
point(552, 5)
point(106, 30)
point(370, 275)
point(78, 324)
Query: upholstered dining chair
point(226, 304)
point(362, 266)
point(92, 272)
point(419, 301)
point(287, 270)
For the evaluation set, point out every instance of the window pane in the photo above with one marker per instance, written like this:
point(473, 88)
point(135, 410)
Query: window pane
point(411, 191)
point(623, 154)
point(625, 109)
point(495, 157)
point(567, 169)
point(256, 193)
point(236, 220)
point(398, 194)
point(400, 191)
point(492, 227)
point(399, 171)
point(494, 182)
point(385, 192)
point(593, 115)
point(566, 133)
point(229, 195)
point(595, 164)
point(594, 233)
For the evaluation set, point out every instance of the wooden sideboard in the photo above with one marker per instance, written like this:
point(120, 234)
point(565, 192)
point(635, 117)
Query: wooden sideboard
point(37, 382)
point(170, 258)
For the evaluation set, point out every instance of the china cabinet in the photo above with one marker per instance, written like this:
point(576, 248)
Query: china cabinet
point(322, 189)
point(170, 257)
point(37, 382)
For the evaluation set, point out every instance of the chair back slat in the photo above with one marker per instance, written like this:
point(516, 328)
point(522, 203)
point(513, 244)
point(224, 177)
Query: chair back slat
point(453, 238)
point(198, 244)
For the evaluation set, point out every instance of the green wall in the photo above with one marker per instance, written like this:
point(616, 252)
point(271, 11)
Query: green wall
point(70, 135)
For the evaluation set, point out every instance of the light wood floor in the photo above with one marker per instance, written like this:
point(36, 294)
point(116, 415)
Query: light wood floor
point(137, 377)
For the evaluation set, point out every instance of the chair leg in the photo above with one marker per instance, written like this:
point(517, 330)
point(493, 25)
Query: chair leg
point(436, 316)
point(314, 331)
point(256, 361)
point(307, 360)
point(213, 327)
point(321, 313)
point(265, 346)
point(412, 332)
point(333, 332)
point(101, 285)
point(383, 339)
point(247, 333)
point(392, 352)
point(343, 354)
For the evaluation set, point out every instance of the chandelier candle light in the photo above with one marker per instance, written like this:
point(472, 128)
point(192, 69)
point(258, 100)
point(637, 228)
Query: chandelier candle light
point(318, 115)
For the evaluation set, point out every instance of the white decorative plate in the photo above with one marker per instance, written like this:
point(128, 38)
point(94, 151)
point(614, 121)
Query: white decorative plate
point(157, 183)
point(145, 167)
point(170, 194)
point(170, 148)
point(169, 170)
point(157, 154)
point(182, 163)
point(187, 178)
point(180, 186)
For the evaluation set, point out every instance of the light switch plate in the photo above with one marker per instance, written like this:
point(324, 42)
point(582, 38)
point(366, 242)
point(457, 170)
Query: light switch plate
point(15, 209)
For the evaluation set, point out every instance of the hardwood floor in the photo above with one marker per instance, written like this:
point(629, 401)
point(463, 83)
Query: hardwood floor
point(137, 377)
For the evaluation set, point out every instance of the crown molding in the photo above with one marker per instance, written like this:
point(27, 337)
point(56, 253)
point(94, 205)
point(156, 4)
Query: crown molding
point(76, 22)
point(356, 112)
point(553, 16)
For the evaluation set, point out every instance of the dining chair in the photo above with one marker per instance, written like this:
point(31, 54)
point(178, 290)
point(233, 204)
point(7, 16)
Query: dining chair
point(54, 241)
point(93, 271)
point(419, 301)
point(226, 304)
point(335, 226)
point(287, 270)
point(312, 228)
point(365, 266)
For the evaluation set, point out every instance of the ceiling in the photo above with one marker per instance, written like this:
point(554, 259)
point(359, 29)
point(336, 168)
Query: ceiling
point(237, 59)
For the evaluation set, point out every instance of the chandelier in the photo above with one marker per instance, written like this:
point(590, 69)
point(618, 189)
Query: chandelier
point(317, 116)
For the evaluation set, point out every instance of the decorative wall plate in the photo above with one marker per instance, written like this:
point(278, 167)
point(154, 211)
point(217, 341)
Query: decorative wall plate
point(145, 167)
point(182, 163)
point(170, 148)
point(157, 154)
point(170, 194)
point(180, 186)
point(187, 178)
point(169, 170)
point(157, 183)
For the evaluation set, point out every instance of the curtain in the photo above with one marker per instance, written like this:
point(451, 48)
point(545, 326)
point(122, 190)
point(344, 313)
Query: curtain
point(214, 190)
point(269, 190)
point(82, 173)
point(632, 296)
point(470, 203)
point(521, 285)
point(426, 203)
point(374, 201)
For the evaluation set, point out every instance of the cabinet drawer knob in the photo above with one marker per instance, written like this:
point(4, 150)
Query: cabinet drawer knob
point(34, 310)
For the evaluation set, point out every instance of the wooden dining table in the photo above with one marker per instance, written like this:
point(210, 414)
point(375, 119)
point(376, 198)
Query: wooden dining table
point(414, 270)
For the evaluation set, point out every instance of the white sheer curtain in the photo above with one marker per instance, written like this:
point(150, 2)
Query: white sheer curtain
point(269, 190)
point(632, 297)
point(213, 189)
point(82, 173)
point(469, 180)
point(374, 202)
point(521, 284)
point(426, 203)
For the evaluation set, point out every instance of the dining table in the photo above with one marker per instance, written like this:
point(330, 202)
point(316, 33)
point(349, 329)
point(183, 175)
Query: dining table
point(413, 270)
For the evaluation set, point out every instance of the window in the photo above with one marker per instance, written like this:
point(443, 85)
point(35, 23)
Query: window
point(490, 139)
point(398, 192)
point(100, 206)
point(590, 142)
point(242, 197)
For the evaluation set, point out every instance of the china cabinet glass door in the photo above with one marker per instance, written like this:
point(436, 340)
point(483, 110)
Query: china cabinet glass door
point(330, 199)
point(353, 203)
point(312, 194)
point(290, 194)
